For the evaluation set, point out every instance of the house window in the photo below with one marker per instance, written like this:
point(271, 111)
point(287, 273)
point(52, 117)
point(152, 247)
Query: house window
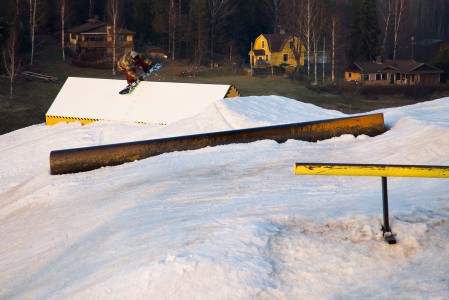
point(121, 38)
point(285, 57)
point(365, 77)
point(263, 44)
point(266, 58)
point(378, 76)
point(349, 74)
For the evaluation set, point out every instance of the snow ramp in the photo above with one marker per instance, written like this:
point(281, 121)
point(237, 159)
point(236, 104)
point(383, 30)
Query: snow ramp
point(88, 100)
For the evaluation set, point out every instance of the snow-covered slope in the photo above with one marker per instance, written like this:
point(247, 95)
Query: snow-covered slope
point(227, 222)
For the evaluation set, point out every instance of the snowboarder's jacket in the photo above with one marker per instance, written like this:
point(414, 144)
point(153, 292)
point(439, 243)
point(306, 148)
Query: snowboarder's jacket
point(128, 65)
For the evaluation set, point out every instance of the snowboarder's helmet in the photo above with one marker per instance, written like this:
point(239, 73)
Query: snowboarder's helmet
point(134, 55)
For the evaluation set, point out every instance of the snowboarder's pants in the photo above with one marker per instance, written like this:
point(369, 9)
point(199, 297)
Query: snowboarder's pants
point(145, 67)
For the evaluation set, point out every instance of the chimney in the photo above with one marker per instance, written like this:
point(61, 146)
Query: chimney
point(379, 59)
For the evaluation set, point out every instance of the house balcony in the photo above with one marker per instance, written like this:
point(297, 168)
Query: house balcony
point(103, 44)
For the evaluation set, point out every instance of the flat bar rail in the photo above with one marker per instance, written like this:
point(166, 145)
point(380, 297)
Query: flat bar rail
point(382, 170)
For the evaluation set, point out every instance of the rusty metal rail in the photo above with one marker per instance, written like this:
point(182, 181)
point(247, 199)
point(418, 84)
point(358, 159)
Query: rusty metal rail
point(90, 158)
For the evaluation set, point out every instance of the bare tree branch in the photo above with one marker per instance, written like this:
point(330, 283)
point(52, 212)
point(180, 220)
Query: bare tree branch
point(11, 61)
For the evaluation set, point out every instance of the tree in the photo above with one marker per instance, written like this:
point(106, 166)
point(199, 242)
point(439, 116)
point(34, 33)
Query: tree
point(218, 9)
point(63, 16)
point(442, 62)
point(335, 30)
point(365, 30)
point(172, 27)
point(399, 10)
point(112, 11)
point(11, 60)
point(33, 5)
point(385, 10)
point(142, 19)
point(91, 9)
point(274, 6)
point(199, 29)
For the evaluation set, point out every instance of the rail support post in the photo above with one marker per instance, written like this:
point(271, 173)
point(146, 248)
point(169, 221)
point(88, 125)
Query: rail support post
point(388, 235)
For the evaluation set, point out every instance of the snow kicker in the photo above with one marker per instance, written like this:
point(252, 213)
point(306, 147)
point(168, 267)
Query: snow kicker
point(88, 100)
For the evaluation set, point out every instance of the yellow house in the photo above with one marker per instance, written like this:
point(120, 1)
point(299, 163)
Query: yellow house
point(276, 50)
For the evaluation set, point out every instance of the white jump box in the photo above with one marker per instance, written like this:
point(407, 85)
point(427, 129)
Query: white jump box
point(87, 100)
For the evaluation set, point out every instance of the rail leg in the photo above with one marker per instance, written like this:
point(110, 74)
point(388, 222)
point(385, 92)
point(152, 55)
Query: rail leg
point(388, 235)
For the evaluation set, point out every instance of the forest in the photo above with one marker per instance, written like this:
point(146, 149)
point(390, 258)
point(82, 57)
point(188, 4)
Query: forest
point(201, 31)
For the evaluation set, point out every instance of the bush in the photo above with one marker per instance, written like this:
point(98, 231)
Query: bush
point(407, 91)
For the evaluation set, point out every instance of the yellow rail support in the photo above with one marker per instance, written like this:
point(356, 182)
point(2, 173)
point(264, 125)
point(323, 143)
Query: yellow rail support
point(371, 170)
point(383, 171)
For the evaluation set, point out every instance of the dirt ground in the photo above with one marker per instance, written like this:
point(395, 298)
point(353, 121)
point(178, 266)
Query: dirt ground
point(33, 98)
point(21, 113)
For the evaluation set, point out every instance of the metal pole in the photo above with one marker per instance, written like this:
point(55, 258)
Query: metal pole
point(385, 204)
point(388, 236)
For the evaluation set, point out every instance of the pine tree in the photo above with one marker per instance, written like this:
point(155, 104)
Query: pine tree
point(442, 62)
point(142, 19)
point(365, 31)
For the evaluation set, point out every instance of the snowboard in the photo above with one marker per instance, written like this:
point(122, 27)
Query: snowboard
point(136, 82)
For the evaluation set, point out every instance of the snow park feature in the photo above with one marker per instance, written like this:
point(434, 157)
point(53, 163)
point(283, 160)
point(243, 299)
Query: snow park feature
point(90, 158)
point(88, 100)
point(383, 171)
point(226, 222)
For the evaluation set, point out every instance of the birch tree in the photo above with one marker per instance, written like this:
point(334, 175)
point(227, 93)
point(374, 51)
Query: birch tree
point(33, 25)
point(63, 16)
point(112, 11)
point(386, 12)
point(399, 10)
point(11, 61)
point(334, 33)
point(307, 22)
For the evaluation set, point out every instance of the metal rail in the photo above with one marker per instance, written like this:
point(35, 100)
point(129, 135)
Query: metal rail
point(381, 170)
point(90, 158)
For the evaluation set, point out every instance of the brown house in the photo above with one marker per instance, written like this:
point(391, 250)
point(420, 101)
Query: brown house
point(95, 37)
point(408, 72)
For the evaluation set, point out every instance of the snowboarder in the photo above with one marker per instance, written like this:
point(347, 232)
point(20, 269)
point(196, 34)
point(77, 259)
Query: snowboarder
point(129, 63)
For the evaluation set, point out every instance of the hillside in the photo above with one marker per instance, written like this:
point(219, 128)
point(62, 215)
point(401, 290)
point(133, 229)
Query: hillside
point(228, 221)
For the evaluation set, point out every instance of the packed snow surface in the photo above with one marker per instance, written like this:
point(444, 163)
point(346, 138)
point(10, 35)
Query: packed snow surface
point(226, 222)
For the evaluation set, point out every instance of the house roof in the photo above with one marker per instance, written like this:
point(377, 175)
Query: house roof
point(276, 41)
point(400, 66)
point(90, 25)
point(95, 26)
